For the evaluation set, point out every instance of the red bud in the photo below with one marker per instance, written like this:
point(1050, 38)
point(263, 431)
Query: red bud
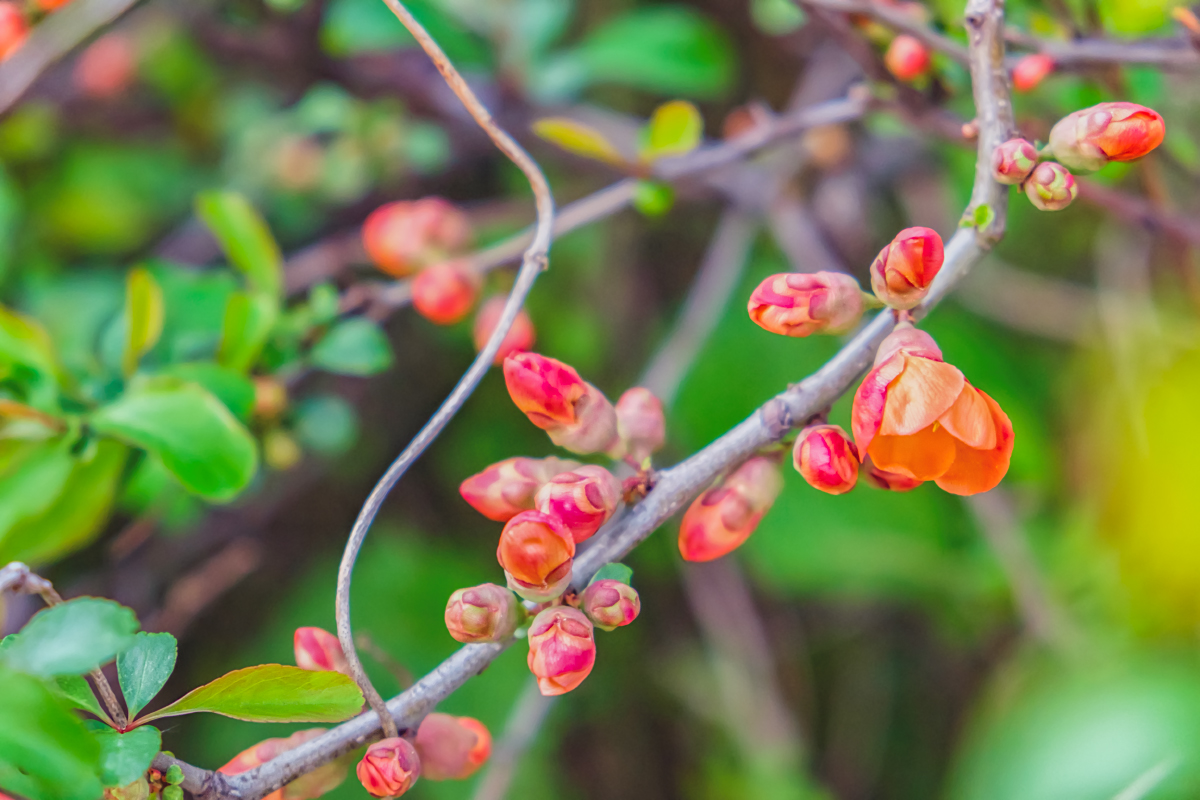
point(906, 57)
point(722, 518)
point(1013, 161)
point(1051, 187)
point(320, 651)
point(1092, 137)
point(484, 613)
point(452, 748)
point(519, 337)
point(536, 551)
point(641, 423)
point(1030, 70)
point(801, 304)
point(826, 458)
point(575, 414)
point(611, 604)
point(404, 236)
point(508, 487)
point(902, 272)
point(445, 293)
point(582, 500)
point(389, 768)
point(562, 649)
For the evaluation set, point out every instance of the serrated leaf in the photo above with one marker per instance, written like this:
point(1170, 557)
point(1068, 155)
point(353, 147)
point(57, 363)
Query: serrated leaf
point(245, 239)
point(143, 669)
point(72, 638)
point(199, 441)
point(353, 347)
point(249, 320)
point(143, 316)
point(272, 693)
point(78, 692)
point(675, 128)
point(613, 571)
point(125, 757)
point(578, 138)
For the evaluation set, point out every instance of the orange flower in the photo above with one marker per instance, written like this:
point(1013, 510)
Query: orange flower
point(452, 748)
point(1090, 138)
point(519, 337)
point(320, 781)
point(722, 518)
point(575, 414)
point(536, 552)
point(918, 417)
point(562, 649)
point(906, 57)
point(1030, 70)
point(508, 487)
point(389, 768)
point(319, 650)
point(445, 293)
point(404, 236)
point(826, 458)
point(800, 304)
point(581, 500)
point(902, 272)
point(889, 481)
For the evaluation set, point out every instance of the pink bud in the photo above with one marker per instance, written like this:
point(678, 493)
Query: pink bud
point(445, 293)
point(641, 423)
point(403, 236)
point(320, 651)
point(611, 604)
point(582, 500)
point(562, 649)
point(536, 551)
point(826, 458)
point(575, 414)
point(800, 304)
point(519, 337)
point(106, 67)
point(906, 57)
point(722, 518)
point(1030, 70)
point(1051, 187)
point(484, 613)
point(13, 28)
point(508, 487)
point(905, 338)
point(451, 748)
point(1090, 138)
point(311, 785)
point(389, 768)
point(902, 272)
point(1013, 161)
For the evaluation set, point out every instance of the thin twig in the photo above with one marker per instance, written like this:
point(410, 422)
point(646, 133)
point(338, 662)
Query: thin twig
point(897, 19)
point(535, 261)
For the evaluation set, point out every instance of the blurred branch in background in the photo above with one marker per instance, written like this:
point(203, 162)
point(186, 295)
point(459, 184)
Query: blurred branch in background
point(520, 731)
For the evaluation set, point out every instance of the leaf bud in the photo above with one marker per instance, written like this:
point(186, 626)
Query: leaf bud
point(801, 304)
point(508, 487)
point(536, 551)
point(641, 423)
point(406, 235)
point(826, 458)
point(389, 768)
point(1092, 137)
point(1013, 161)
point(1030, 70)
point(445, 293)
point(611, 604)
point(519, 337)
point(906, 57)
point(484, 613)
point(1051, 187)
point(452, 748)
point(320, 651)
point(562, 649)
point(722, 518)
point(575, 414)
point(902, 272)
point(582, 500)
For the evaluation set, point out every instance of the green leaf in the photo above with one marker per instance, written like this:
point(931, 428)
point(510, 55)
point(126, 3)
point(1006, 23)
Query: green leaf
point(198, 440)
point(143, 317)
point(613, 571)
point(46, 753)
point(124, 757)
point(245, 238)
point(272, 693)
point(983, 215)
point(249, 320)
point(353, 27)
point(578, 138)
point(233, 389)
point(326, 423)
point(72, 638)
point(675, 128)
point(25, 347)
point(143, 669)
point(78, 692)
point(353, 347)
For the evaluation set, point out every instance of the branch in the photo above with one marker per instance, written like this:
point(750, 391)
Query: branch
point(526, 718)
point(897, 19)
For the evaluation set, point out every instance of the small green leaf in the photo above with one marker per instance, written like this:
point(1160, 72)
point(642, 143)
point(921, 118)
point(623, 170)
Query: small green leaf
point(249, 320)
point(232, 388)
point(143, 669)
point(173, 775)
point(245, 238)
point(613, 571)
point(578, 138)
point(72, 638)
point(78, 692)
point(172, 793)
point(143, 317)
point(675, 128)
point(198, 440)
point(983, 215)
point(653, 198)
point(272, 693)
point(354, 346)
point(125, 757)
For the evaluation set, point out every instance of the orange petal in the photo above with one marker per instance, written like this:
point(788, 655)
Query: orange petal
point(923, 456)
point(976, 471)
point(970, 420)
point(923, 392)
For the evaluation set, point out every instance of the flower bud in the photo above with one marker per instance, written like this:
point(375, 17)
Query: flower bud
point(403, 236)
point(800, 304)
point(484, 613)
point(519, 337)
point(1051, 187)
point(507, 488)
point(889, 481)
point(310, 786)
point(389, 768)
point(906, 57)
point(720, 519)
point(320, 651)
point(826, 458)
point(445, 293)
point(106, 67)
point(1030, 70)
point(270, 397)
point(562, 649)
point(641, 423)
point(1090, 138)
point(902, 272)
point(611, 604)
point(575, 414)
point(452, 748)
point(582, 500)
point(1013, 161)
point(536, 552)
point(13, 28)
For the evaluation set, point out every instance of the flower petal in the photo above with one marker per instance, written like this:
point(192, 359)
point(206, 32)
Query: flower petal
point(970, 420)
point(867, 412)
point(924, 391)
point(923, 456)
point(975, 471)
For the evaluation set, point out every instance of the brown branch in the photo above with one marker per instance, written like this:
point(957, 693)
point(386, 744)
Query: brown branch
point(897, 19)
point(1136, 210)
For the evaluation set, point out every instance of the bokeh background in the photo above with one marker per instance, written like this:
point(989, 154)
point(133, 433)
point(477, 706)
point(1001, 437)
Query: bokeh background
point(1039, 642)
